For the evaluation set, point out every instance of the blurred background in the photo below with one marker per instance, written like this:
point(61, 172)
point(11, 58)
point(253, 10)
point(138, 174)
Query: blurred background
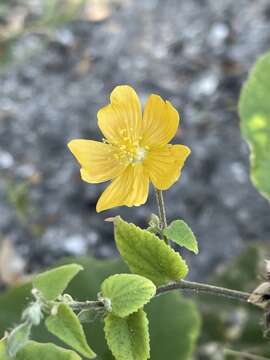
point(59, 61)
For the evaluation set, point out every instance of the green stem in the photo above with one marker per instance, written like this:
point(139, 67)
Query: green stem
point(162, 212)
point(203, 288)
point(242, 355)
point(178, 285)
point(82, 305)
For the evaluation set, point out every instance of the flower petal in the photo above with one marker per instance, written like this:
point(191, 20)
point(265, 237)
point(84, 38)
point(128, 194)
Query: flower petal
point(164, 164)
point(122, 117)
point(96, 159)
point(130, 189)
point(160, 121)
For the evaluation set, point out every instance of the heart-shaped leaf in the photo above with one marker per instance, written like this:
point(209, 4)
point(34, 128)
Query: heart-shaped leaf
point(127, 293)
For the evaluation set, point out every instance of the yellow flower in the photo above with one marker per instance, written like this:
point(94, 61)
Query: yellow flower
point(135, 150)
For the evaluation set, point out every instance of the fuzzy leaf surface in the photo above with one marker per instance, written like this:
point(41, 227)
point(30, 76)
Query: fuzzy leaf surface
point(180, 233)
point(128, 338)
point(53, 282)
point(147, 255)
point(66, 326)
point(127, 293)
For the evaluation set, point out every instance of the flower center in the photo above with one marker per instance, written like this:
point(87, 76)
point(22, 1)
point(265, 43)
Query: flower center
point(128, 149)
point(139, 155)
point(131, 153)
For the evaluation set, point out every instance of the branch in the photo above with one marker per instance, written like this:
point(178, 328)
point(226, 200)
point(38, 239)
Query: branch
point(85, 305)
point(203, 288)
point(182, 285)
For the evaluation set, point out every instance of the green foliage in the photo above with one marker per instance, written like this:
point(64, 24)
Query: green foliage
point(53, 282)
point(128, 338)
point(66, 326)
point(18, 338)
point(180, 233)
point(254, 109)
point(174, 327)
point(147, 255)
point(37, 351)
point(229, 322)
point(173, 320)
point(12, 304)
point(127, 293)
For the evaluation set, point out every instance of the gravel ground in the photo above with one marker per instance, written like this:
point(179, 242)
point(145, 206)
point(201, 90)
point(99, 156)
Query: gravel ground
point(196, 53)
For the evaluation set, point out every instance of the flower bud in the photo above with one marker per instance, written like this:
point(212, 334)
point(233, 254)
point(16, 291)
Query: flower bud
point(154, 221)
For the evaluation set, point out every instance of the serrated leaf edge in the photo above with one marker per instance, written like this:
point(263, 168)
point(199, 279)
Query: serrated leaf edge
point(109, 302)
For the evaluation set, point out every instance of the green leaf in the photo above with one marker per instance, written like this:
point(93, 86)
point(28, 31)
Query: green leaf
point(174, 320)
point(254, 110)
point(128, 338)
point(37, 351)
point(180, 233)
point(18, 338)
point(127, 293)
point(66, 326)
point(147, 255)
point(53, 282)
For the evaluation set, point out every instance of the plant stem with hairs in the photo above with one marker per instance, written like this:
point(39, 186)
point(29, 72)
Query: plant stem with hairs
point(203, 288)
point(162, 213)
point(177, 285)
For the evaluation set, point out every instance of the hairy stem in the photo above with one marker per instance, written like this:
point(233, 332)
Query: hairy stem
point(203, 288)
point(161, 209)
point(242, 355)
point(179, 285)
point(162, 212)
point(83, 305)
